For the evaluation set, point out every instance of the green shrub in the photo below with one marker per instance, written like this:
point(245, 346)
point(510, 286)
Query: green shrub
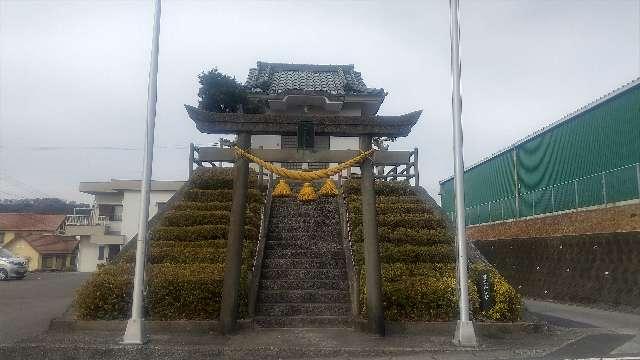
point(409, 254)
point(252, 208)
point(419, 296)
point(107, 294)
point(404, 220)
point(206, 244)
point(198, 233)
point(508, 304)
point(193, 233)
point(187, 256)
point(196, 195)
point(390, 208)
point(193, 218)
point(382, 188)
point(218, 178)
point(185, 292)
point(407, 236)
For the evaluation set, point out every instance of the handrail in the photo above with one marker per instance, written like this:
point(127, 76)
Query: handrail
point(254, 281)
point(352, 274)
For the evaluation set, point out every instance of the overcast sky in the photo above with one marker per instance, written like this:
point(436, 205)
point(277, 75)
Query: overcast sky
point(73, 74)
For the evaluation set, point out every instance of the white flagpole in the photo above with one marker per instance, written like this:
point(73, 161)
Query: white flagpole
point(465, 334)
point(135, 326)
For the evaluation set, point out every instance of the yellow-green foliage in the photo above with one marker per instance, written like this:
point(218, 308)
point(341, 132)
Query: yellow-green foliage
point(418, 260)
point(186, 252)
point(508, 303)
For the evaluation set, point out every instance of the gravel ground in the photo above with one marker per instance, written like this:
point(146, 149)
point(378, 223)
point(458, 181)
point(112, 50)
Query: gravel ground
point(282, 344)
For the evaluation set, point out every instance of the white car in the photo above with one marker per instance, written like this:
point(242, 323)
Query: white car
point(11, 267)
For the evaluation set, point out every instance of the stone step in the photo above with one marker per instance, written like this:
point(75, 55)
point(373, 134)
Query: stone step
point(302, 245)
point(303, 254)
point(304, 274)
point(324, 236)
point(302, 228)
point(304, 285)
point(328, 263)
point(303, 321)
point(303, 296)
point(304, 309)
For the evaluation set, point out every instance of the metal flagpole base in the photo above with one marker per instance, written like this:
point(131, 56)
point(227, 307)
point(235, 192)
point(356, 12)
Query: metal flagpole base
point(134, 333)
point(465, 334)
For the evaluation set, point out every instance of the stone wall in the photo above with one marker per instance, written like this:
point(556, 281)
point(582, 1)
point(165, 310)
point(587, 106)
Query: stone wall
point(600, 269)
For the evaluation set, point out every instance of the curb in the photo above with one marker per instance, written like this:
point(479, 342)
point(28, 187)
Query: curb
point(484, 329)
point(494, 330)
point(193, 327)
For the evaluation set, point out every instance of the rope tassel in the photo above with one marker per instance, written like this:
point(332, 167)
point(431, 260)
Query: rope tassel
point(328, 189)
point(307, 193)
point(282, 190)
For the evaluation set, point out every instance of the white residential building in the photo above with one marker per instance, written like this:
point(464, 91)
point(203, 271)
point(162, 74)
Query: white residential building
point(113, 219)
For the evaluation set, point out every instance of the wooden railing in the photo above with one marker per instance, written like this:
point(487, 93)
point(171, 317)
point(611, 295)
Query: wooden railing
point(401, 165)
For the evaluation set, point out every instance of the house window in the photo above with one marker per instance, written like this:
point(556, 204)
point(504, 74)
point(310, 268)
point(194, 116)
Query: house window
point(113, 251)
point(112, 212)
point(48, 262)
point(161, 206)
point(101, 252)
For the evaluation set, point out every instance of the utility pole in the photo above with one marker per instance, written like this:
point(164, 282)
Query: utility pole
point(135, 333)
point(465, 334)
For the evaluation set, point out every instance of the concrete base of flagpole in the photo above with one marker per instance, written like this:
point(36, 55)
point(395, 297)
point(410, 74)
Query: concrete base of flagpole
point(465, 334)
point(134, 333)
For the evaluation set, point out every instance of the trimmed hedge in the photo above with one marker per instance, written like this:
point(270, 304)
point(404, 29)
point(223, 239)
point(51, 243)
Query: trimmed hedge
point(185, 292)
point(384, 208)
point(418, 260)
point(218, 178)
point(187, 252)
point(181, 256)
point(252, 208)
point(407, 236)
point(199, 233)
point(206, 244)
point(107, 294)
point(508, 305)
point(382, 188)
point(193, 218)
point(404, 220)
point(409, 254)
point(197, 195)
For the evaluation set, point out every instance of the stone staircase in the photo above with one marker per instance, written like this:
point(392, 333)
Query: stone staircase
point(303, 282)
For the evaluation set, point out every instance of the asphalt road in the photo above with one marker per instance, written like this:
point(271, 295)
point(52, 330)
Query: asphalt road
point(28, 305)
point(613, 334)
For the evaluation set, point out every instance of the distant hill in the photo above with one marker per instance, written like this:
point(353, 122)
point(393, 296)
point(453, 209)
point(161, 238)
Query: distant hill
point(39, 206)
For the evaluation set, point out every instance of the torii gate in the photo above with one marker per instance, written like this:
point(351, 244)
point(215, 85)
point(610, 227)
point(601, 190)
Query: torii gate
point(245, 125)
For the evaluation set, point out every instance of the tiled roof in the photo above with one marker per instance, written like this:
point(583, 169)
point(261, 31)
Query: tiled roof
point(277, 78)
point(30, 222)
point(49, 244)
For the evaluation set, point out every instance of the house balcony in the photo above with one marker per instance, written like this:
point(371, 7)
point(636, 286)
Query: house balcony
point(99, 229)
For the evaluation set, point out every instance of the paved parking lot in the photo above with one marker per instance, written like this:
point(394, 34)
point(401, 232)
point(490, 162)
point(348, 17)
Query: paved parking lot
point(27, 305)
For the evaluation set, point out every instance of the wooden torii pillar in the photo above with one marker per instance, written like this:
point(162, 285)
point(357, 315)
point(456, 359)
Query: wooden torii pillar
point(244, 125)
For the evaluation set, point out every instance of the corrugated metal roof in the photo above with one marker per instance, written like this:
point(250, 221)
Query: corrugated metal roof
point(579, 111)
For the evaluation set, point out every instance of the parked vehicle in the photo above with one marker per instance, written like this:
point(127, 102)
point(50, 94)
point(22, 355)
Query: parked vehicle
point(11, 267)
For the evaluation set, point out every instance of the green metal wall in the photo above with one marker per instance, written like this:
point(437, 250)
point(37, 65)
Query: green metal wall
point(587, 160)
